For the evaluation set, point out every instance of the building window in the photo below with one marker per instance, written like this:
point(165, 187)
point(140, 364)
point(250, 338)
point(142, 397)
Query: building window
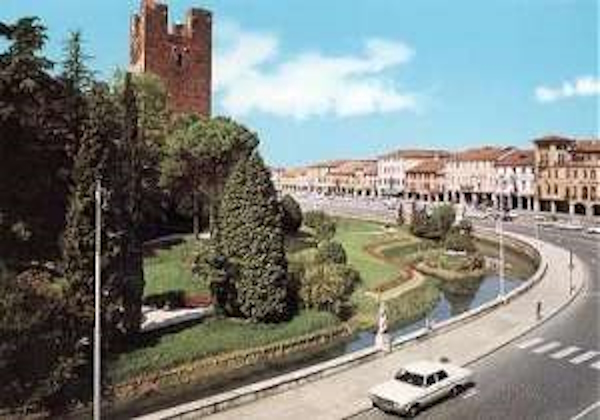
point(592, 193)
point(555, 189)
point(584, 193)
point(584, 174)
point(593, 174)
point(574, 173)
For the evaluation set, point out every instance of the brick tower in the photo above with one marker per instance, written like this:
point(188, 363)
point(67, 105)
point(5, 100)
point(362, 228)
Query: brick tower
point(181, 56)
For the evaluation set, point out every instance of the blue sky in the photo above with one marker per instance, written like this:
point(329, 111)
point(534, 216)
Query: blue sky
point(348, 78)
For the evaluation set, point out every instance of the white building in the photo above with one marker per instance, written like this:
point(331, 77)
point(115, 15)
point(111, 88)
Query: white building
point(392, 167)
point(515, 180)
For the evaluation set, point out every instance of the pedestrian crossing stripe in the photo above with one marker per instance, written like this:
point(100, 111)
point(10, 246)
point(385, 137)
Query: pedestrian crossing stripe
point(552, 349)
point(584, 357)
point(546, 347)
point(530, 343)
point(565, 352)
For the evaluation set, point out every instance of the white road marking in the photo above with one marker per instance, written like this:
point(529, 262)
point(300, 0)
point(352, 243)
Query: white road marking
point(595, 365)
point(565, 352)
point(587, 410)
point(470, 393)
point(584, 357)
point(530, 343)
point(546, 347)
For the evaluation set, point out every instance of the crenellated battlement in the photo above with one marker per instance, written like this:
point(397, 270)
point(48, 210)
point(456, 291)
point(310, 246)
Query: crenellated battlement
point(179, 54)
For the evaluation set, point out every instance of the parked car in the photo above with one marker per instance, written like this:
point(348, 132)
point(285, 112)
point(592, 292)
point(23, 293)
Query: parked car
point(418, 385)
point(569, 226)
point(593, 229)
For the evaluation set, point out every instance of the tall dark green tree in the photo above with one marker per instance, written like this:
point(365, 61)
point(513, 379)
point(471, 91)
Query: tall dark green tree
point(32, 153)
point(251, 240)
point(132, 152)
point(97, 158)
point(77, 78)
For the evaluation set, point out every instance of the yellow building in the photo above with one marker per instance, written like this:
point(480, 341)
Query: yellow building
point(567, 175)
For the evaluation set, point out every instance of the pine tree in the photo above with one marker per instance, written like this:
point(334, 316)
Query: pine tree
point(251, 240)
point(77, 78)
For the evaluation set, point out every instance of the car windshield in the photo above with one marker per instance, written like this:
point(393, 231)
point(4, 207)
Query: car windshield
point(409, 378)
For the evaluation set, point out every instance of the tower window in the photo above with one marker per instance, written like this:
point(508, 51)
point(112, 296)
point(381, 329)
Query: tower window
point(179, 59)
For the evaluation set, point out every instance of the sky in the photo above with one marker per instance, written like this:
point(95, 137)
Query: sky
point(325, 79)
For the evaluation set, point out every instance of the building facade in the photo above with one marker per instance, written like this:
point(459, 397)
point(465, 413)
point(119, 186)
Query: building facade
point(470, 176)
point(180, 55)
point(568, 172)
point(392, 167)
point(515, 180)
point(425, 181)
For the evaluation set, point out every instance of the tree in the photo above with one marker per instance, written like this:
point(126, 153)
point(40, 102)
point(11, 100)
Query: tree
point(332, 252)
point(292, 214)
point(435, 226)
point(252, 242)
point(132, 152)
point(77, 79)
point(39, 369)
point(33, 160)
point(442, 219)
point(323, 225)
point(153, 121)
point(200, 155)
point(97, 158)
point(328, 287)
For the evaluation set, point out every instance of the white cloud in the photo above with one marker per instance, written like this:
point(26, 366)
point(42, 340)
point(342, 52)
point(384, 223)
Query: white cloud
point(252, 76)
point(581, 86)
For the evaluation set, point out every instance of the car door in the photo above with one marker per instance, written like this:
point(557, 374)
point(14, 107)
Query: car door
point(445, 383)
point(430, 389)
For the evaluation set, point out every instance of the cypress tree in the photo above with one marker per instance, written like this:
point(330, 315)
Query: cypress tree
point(96, 158)
point(252, 241)
point(132, 150)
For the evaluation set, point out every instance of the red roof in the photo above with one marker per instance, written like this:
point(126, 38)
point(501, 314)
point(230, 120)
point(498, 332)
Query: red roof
point(517, 158)
point(434, 166)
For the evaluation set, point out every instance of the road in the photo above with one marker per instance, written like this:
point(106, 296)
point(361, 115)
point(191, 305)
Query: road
point(553, 372)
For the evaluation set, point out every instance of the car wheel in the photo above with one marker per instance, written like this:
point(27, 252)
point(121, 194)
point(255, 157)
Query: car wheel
point(413, 410)
point(456, 390)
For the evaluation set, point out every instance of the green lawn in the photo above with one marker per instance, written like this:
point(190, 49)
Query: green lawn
point(169, 268)
point(355, 235)
point(212, 337)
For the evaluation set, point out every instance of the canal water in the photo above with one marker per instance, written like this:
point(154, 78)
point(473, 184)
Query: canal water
point(455, 298)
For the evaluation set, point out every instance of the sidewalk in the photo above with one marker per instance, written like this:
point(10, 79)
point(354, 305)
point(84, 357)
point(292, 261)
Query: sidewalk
point(344, 394)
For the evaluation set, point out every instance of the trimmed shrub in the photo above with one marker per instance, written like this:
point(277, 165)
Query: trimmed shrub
point(323, 225)
point(328, 287)
point(291, 214)
point(457, 241)
point(331, 252)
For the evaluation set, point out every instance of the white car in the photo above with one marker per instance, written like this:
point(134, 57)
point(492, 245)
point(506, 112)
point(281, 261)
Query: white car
point(418, 385)
point(569, 226)
point(593, 229)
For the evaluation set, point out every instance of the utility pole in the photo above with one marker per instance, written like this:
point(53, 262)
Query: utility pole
point(97, 297)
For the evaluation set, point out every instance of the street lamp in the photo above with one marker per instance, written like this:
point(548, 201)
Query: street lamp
point(97, 296)
point(571, 266)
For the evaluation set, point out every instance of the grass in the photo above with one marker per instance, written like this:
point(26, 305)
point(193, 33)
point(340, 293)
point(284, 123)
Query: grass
point(169, 267)
point(210, 338)
point(355, 235)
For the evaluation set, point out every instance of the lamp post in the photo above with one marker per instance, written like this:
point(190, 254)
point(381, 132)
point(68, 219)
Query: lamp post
point(571, 266)
point(97, 296)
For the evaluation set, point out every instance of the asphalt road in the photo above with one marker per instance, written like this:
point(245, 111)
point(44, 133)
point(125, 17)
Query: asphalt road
point(557, 376)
